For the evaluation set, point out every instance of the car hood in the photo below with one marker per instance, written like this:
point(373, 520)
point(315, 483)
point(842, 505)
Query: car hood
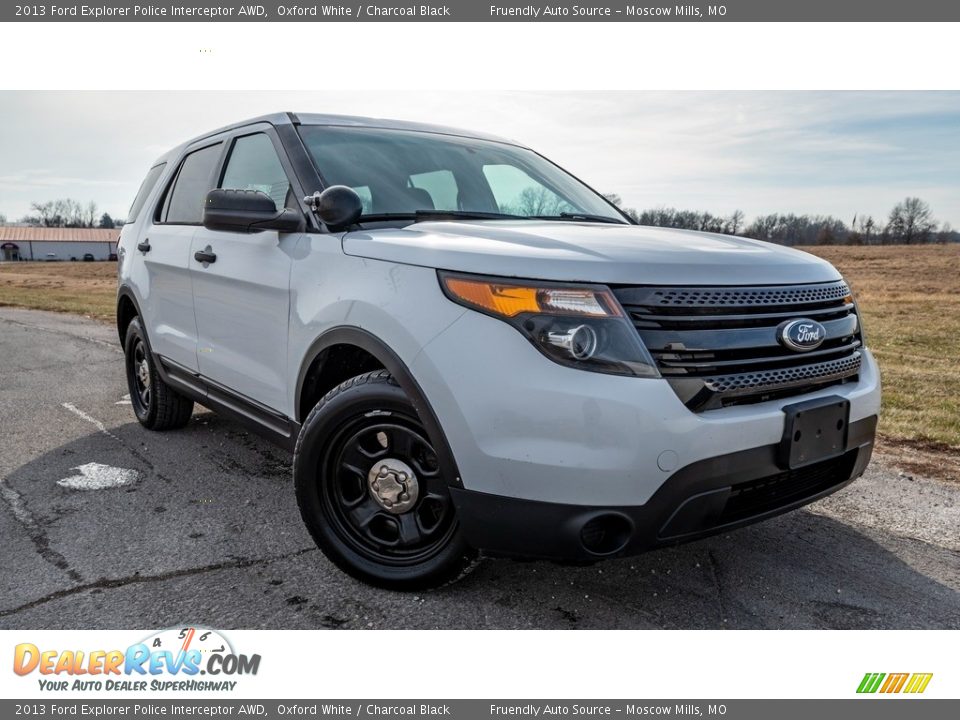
point(589, 252)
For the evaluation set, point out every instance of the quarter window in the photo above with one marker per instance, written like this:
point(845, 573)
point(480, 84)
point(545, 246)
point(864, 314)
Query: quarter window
point(254, 165)
point(148, 182)
point(190, 191)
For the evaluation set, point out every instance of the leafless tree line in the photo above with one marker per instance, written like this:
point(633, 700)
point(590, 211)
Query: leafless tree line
point(67, 213)
point(910, 222)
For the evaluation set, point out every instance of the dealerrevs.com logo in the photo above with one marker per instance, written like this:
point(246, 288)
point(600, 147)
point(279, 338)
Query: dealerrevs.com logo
point(178, 659)
point(892, 683)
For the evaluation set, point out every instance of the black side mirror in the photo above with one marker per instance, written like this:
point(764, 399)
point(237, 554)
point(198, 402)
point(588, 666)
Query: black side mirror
point(247, 211)
point(337, 207)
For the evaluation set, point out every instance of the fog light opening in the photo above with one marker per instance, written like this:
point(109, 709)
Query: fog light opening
point(606, 534)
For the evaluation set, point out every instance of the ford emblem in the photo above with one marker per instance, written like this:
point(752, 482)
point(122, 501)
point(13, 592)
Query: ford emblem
point(802, 335)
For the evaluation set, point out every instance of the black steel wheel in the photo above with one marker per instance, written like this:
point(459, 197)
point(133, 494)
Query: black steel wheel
point(140, 394)
point(386, 491)
point(371, 489)
point(156, 405)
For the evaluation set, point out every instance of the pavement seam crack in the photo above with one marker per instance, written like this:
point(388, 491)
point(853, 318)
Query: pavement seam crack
point(719, 588)
point(21, 513)
point(112, 584)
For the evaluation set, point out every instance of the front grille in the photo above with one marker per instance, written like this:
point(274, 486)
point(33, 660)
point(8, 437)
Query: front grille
point(756, 497)
point(718, 346)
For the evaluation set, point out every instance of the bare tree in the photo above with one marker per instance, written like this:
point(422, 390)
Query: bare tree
point(911, 221)
point(734, 223)
point(539, 201)
point(945, 234)
point(63, 212)
point(618, 201)
point(90, 215)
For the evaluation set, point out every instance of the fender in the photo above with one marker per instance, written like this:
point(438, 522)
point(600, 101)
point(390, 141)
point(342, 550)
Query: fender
point(125, 291)
point(351, 335)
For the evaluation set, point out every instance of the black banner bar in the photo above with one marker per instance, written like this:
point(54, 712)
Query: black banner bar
point(407, 709)
point(486, 11)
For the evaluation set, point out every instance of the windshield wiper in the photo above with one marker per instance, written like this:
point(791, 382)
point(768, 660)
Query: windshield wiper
point(581, 216)
point(421, 215)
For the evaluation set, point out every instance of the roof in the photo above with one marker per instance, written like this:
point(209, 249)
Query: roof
point(290, 118)
point(47, 234)
point(386, 124)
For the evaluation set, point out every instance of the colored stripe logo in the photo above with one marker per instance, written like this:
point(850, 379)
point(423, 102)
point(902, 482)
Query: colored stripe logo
point(912, 683)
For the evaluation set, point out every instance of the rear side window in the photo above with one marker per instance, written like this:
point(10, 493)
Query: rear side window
point(145, 188)
point(185, 205)
point(254, 165)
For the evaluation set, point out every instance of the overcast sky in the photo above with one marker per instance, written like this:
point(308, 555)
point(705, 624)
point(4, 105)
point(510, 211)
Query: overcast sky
point(838, 153)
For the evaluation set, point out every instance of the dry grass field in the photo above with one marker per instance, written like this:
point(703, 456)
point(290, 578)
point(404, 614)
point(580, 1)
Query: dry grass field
point(910, 299)
point(76, 287)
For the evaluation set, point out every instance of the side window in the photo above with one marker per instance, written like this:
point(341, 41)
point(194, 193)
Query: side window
point(185, 205)
point(366, 198)
point(254, 165)
point(517, 193)
point(145, 187)
point(441, 186)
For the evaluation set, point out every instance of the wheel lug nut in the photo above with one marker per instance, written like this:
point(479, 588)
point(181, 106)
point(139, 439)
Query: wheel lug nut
point(404, 496)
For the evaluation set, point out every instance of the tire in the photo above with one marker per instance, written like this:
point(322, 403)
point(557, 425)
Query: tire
point(395, 528)
point(156, 405)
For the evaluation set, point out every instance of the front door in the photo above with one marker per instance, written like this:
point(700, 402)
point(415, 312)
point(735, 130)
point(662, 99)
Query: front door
point(242, 296)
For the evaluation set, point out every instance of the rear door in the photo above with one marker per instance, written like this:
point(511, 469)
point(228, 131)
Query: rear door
point(242, 298)
point(164, 246)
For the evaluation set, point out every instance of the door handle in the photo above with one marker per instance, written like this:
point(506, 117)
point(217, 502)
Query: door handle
point(144, 247)
point(205, 256)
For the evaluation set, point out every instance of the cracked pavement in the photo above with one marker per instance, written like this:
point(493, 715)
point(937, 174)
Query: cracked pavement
point(210, 533)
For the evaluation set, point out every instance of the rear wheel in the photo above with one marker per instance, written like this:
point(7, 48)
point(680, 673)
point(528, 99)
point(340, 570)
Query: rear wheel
point(371, 490)
point(156, 405)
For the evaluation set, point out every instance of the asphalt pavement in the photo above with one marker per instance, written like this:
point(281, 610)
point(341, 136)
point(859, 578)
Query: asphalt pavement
point(106, 525)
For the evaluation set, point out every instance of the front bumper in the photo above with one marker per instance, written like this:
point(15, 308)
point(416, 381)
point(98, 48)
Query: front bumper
point(701, 499)
point(522, 427)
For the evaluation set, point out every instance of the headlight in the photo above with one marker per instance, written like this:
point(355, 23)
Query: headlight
point(581, 326)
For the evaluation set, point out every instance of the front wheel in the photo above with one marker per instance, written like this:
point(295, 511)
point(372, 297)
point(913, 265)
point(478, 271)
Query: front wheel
point(371, 491)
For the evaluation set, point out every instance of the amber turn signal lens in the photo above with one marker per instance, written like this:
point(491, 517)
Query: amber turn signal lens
point(506, 300)
point(511, 300)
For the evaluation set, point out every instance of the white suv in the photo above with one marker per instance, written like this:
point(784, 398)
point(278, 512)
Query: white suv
point(470, 350)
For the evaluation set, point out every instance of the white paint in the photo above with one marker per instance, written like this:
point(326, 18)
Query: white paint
point(90, 419)
point(125, 400)
point(96, 476)
point(701, 56)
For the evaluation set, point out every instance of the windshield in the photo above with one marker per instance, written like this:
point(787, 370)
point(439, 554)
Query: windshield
point(400, 172)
